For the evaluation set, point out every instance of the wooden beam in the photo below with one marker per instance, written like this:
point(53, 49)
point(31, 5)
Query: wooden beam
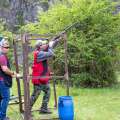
point(66, 63)
point(18, 81)
point(27, 113)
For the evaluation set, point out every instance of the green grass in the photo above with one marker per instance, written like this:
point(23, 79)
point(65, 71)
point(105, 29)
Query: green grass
point(90, 104)
point(97, 104)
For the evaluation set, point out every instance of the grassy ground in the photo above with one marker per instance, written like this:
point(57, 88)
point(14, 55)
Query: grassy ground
point(90, 104)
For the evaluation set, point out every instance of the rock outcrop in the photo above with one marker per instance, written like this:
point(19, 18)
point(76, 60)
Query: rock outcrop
point(20, 12)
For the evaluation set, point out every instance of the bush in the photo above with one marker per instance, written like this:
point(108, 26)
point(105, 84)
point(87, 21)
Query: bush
point(91, 44)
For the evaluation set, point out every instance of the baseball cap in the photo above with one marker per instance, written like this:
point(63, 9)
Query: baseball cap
point(4, 43)
point(40, 43)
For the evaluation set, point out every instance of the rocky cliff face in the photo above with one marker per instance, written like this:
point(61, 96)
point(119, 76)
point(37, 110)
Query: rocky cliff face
point(20, 12)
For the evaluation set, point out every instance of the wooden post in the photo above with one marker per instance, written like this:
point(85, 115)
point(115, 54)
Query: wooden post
point(18, 81)
point(66, 63)
point(54, 85)
point(27, 111)
point(55, 95)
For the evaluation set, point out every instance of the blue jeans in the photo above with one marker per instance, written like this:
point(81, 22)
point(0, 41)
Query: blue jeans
point(5, 93)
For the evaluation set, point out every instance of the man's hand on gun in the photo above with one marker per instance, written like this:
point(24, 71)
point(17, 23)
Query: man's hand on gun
point(16, 75)
point(53, 43)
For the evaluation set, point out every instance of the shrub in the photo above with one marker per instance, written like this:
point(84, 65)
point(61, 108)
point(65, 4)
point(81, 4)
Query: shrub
point(91, 45)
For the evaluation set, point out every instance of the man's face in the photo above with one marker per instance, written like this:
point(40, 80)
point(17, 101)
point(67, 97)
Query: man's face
point(44, 47)
point(5, 48)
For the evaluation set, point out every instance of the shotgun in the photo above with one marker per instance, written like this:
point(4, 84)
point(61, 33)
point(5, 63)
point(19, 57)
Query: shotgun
point(53, 42)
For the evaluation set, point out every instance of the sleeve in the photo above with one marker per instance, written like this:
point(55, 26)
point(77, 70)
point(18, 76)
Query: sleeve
point(3, 61)
point(43, 55)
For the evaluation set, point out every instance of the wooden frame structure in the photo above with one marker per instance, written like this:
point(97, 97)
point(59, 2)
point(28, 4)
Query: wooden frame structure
point(25, 39)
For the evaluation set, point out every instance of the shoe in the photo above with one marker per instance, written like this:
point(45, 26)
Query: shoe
point(45, 111)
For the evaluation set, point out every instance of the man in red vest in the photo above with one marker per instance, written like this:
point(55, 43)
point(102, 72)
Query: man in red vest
point(41, 73)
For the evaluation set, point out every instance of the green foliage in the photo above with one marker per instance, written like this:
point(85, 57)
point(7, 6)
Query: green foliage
point(5, 33)
point(91, 45)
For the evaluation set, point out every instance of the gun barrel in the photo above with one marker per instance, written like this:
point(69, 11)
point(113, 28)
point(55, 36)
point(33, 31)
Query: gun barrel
point(64, 31)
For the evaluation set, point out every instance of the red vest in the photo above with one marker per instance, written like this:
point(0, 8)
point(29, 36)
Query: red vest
point(40, 71)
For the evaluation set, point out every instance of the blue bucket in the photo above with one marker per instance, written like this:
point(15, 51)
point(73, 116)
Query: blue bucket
point(66, 108)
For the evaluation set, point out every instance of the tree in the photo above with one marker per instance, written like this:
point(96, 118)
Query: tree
point(17, 13)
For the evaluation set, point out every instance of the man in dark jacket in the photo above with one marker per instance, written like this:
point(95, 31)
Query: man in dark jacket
point(5, 78)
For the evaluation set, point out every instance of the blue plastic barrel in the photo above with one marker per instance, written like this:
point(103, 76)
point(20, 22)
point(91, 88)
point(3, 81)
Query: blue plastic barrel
point(66, 108)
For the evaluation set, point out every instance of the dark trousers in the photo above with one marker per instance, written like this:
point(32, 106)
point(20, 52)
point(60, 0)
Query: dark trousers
point(36, 92)
point(5, 94)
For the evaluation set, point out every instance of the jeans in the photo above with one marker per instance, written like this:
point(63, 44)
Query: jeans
point(5, 93)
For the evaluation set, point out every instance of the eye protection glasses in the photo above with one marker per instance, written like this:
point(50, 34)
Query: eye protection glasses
point(6, 47)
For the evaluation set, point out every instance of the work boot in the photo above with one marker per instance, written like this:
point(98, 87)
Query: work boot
point(45, 111)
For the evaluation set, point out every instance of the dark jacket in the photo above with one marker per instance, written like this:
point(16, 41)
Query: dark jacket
point(6, 78)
